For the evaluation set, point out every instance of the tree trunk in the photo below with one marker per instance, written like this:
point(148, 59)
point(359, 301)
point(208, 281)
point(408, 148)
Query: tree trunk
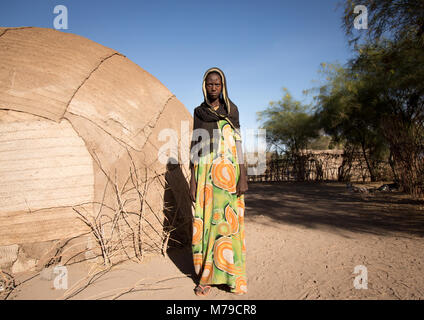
point(392, 166)
point(370, 169)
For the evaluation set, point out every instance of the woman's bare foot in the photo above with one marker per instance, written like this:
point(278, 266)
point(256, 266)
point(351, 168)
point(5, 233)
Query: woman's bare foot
point(202, 290)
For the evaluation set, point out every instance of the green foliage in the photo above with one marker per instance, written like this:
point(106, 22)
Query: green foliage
point(393, 73)
point(398, 19)
point(322, 142)
point(345, 111)
point(288, 123)
point(374, 104)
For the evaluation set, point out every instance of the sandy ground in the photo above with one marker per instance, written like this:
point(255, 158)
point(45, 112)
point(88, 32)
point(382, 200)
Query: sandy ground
point(303, 242)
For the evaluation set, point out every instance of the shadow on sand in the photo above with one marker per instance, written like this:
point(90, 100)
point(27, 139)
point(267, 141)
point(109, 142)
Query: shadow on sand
point(179, 219)
point(318, 205)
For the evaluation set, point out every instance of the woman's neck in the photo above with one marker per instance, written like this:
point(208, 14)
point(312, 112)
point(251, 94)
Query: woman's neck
point(215, 104)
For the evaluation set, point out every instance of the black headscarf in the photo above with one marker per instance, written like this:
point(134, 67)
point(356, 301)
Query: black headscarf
point(205, 117)
point(205, 111)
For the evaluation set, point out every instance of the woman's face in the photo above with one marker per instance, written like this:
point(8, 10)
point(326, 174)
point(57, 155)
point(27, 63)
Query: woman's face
point(213, 85)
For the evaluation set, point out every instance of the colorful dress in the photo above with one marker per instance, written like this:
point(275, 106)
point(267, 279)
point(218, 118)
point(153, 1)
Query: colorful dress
point(219, 251)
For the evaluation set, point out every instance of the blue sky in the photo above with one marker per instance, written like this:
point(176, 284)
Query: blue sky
point(262, 46)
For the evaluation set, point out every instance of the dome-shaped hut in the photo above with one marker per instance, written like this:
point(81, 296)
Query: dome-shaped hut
point(80, 132)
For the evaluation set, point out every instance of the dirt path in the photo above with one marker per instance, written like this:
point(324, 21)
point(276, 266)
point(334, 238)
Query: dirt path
point(303, 242)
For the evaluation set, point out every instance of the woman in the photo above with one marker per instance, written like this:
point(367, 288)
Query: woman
point(217, 186)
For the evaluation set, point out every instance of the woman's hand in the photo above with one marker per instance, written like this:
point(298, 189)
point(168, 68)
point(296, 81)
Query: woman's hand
point(193, 187)
point(242, 186)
